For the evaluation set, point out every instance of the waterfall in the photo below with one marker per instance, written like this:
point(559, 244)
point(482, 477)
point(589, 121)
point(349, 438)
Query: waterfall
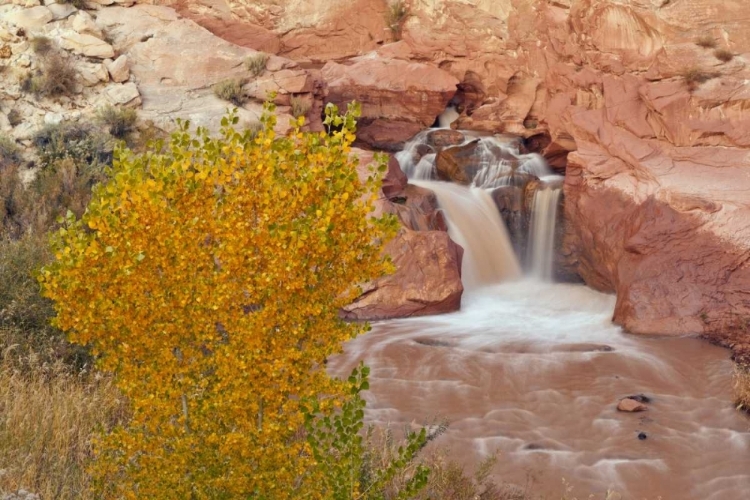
point(542, 229)
point(475, 224)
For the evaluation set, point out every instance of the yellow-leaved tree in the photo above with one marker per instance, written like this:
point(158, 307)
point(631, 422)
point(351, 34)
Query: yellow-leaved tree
point(208, 279)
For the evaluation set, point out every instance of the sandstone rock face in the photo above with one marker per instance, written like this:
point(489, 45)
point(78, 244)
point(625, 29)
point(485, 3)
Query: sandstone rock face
point(427, 279)
point(31, 19)
point(391, 89)
point(631, 405)
point(428, 263)
point(85, 45)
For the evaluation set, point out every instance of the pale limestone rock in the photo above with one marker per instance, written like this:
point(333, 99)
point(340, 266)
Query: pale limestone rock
point(123, 94)
point(4, 123)
point(119, 69)
point(86, 45)
point(5, 35)
point(61, 10)
point(24, 61)
point(53, 118)
point(92, 74)
point(31, 19)
point(84, 24)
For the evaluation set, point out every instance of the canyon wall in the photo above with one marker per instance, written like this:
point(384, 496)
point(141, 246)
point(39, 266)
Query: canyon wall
point(643, 103)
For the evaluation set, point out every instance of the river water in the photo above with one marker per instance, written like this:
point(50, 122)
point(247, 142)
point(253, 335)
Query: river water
point(534, 371)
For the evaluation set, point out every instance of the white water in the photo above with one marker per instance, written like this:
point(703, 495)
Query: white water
point(475, 224)
point(447, 117)
point(542, 230)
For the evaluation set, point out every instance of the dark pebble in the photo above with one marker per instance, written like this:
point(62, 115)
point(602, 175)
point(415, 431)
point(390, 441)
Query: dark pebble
point(642, 436)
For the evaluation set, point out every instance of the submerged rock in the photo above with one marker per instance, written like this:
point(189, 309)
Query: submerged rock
point(631, 405)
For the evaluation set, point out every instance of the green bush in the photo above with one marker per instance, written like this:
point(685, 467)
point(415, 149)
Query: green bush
point(10, 153)
point(345, 462)
point(256, 64)
point(119, 121)
point(230, 90)
point(81, 142)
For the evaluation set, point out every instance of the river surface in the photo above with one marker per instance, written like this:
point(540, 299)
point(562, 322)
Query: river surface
point(534, 371)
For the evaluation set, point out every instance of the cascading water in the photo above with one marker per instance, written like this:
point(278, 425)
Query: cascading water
point(474, 223)
point(542, 229)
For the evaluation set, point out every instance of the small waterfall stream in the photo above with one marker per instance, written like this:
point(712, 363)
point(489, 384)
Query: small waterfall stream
point(533, 370)
point(542, 230)
point(474, 223)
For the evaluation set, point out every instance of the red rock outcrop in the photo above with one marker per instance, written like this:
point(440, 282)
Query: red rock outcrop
point(427, 279)
point(652, 127)
point(390, 90)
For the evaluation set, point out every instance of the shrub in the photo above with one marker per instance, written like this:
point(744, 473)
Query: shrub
point(695, 76)
point(230, 90)
point(256, 64)
point(300, 106)
point(14, 118)
point(396, 14)
point(209, 279)
point(41, 45)
point(706, 41)
point(346, 464)
point(119, 121)
point(723, 55)
point(10, 153)
point(57, 76)
point(80, 142)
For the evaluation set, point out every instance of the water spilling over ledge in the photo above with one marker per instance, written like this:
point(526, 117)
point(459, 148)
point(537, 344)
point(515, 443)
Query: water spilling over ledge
point(534, 370)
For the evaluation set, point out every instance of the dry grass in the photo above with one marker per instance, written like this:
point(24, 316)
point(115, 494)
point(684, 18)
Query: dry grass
point(230, 90)
point(723, 55)
point(47, 420)
point(695, 76)
point(256, 64)
point(742, 387)
point(395, 16)
point(300, 106)
point(706, 41)
point(56, 76)
point(118, 121)
point(10, 153)
point(41, 45)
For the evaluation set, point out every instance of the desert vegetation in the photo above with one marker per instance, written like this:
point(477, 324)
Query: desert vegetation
point(396, 14)
point(230, 90)
point(256, 64)
point(723, 55)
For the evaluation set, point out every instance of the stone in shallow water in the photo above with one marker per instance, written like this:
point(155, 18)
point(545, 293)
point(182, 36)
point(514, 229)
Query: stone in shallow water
point(630, 405)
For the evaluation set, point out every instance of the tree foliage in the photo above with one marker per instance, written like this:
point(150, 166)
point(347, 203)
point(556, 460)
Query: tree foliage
point(209, 278)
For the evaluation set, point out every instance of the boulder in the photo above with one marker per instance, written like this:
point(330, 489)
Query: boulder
point(30, 19)
point(386, 135)
point(119, 69)
point(85, 45)
point(427, 279)
point(61, 10)
point(123, 94)
point(391, 89)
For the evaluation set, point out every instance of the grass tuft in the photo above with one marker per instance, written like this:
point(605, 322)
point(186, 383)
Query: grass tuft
point(230, 90)
point(119, 121)
point(706, 41)
point(10, 153)
point(256, 64)
point(723, 55)
point(395, 16)
point(41, 45)
point(300, 106)
point(695, 76)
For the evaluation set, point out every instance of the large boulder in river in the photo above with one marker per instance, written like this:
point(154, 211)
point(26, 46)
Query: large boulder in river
point(427, 279)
